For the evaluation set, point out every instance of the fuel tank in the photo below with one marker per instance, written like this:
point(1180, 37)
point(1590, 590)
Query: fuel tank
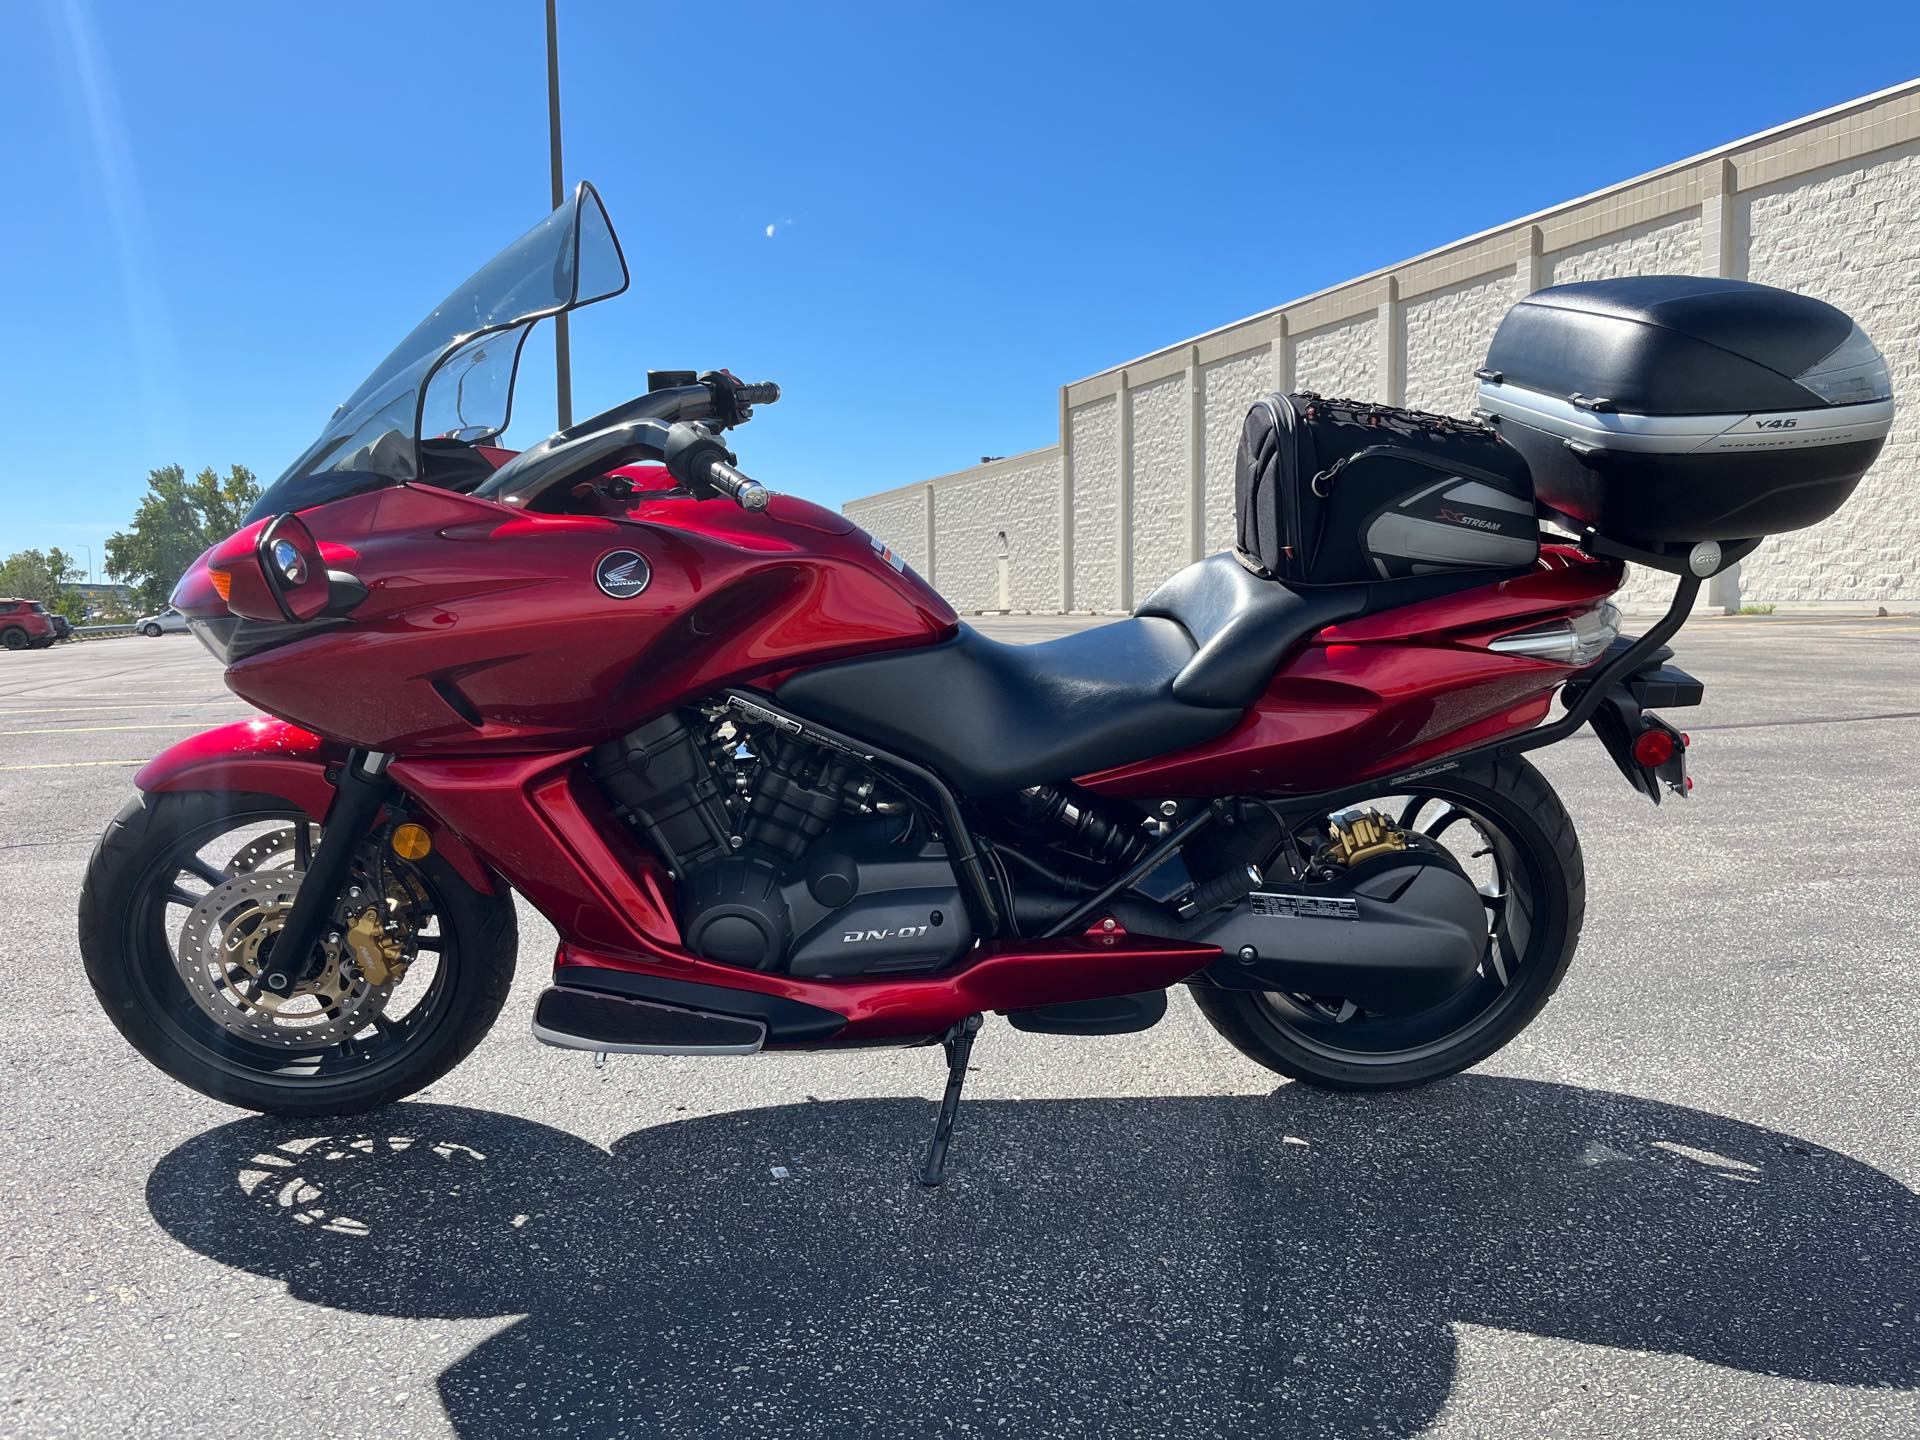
point(486, 627)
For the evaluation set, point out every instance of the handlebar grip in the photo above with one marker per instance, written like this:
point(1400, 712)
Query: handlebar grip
point(764, 393)
point(746, 492)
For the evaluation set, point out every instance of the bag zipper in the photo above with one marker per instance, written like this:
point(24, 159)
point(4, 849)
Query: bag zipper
point(1291, 520)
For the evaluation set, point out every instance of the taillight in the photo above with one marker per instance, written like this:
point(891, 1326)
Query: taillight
point(1578, 641)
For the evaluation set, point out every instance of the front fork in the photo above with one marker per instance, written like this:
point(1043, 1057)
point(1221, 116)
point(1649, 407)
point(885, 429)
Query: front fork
point(363, 788)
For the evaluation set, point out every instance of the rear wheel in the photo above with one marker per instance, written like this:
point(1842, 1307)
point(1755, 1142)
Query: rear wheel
point(184, 897)
point(14, 638)
point(1514, 838)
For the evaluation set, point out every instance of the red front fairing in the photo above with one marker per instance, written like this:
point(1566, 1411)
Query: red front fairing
point(483, 628)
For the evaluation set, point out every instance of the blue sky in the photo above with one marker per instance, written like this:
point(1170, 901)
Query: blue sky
point(219, 217)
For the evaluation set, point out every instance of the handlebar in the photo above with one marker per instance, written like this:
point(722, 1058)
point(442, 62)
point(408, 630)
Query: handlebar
point(746, 492)
point(699, 461)
point(676, 423)
point(763, 393)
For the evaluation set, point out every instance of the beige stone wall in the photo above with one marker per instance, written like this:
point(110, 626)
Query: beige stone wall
point(1093, 479)
point(997, 519)
point(1162, 474)
point(1143, 477)
point(1663, 247)
point(1339, 360)
point(1229, 389)
point(899, 519)
point(1444, 340)
point(1851, 235)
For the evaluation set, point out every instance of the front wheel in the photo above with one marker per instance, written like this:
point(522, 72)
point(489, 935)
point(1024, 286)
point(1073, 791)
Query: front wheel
point(1513, 837)
point(184, 896)
point(152, 632)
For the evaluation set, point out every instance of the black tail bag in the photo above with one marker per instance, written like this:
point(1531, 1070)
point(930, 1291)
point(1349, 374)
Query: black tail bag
point(1341, 492)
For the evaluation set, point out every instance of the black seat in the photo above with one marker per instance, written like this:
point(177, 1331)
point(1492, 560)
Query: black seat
point(1242, 626)
point(992, 717)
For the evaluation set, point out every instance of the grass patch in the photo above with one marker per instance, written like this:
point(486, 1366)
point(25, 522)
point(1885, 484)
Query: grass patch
point(1756, 609)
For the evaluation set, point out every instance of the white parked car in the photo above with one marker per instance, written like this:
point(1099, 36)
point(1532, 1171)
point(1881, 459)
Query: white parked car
point(166, 622)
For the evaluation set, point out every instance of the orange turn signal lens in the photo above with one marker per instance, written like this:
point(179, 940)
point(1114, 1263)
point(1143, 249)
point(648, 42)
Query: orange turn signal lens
point(222, 582)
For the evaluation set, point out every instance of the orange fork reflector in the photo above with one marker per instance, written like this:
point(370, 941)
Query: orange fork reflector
point(411, 842)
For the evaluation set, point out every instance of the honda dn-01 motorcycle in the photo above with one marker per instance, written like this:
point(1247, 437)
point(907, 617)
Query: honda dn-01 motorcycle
point(773, 795)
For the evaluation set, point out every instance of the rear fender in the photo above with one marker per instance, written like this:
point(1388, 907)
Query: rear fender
point(265, 756)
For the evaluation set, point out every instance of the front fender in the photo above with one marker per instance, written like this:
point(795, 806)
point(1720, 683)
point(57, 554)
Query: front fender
point(265, 756)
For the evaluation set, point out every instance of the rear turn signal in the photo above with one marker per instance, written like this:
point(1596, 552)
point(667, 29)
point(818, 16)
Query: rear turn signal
point(1578, 641)
point(222, 582)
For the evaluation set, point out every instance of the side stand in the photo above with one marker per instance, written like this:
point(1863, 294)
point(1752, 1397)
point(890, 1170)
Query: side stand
point(958, 1043)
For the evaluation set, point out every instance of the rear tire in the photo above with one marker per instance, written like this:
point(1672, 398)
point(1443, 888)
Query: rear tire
point(1516, 798)
point(14, 638)
point(122, 923)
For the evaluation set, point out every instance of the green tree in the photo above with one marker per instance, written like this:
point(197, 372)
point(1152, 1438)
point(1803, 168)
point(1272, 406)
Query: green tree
point(47, 576)
point(177, 519)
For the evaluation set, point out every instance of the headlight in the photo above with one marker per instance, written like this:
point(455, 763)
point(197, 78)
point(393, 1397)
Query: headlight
point(286, 559)
point(1578, 641)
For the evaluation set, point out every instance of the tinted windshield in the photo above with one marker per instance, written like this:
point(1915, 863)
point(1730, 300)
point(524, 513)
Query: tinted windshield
point(454, 372)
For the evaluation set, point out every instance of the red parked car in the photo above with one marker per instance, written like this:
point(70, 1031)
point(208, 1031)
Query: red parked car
point(29, 625)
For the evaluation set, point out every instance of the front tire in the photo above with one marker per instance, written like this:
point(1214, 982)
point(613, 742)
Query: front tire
point(138, 895)
point(152, 632)
point(14, 638)
point(1537, 859)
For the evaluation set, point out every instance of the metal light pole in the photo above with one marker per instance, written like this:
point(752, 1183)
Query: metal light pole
point(562, 355)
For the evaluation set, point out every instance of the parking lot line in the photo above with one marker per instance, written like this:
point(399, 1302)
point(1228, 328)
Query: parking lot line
point(80, 729)
point(123, 705)
point(71, 765)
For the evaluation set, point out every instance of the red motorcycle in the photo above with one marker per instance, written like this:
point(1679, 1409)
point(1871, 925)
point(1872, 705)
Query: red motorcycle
point(772, 794)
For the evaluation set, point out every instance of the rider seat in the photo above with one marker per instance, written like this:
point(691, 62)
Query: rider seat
point(992, 717)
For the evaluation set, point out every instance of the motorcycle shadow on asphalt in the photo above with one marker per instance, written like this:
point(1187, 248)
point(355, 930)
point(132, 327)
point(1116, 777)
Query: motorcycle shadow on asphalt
point(1239, 1265)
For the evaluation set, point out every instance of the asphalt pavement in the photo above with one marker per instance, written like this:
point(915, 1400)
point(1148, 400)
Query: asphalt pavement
point(1682, 1204)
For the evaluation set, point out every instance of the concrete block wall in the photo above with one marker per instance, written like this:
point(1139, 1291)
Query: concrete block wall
point(1142, 480)
point(1338, 359)
point(1228, 389)
point(989, 538)
point(1850, 234)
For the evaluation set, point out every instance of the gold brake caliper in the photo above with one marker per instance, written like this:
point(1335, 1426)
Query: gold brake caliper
point(380, 957)
point(1362, 836)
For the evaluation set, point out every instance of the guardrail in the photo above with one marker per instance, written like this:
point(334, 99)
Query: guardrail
point(101, 632)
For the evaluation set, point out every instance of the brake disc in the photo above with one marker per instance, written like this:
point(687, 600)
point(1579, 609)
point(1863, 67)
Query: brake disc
point(264, 849)
point(224, 948)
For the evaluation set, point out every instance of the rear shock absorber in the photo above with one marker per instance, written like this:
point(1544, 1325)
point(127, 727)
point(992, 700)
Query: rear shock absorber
point(1101, 836)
